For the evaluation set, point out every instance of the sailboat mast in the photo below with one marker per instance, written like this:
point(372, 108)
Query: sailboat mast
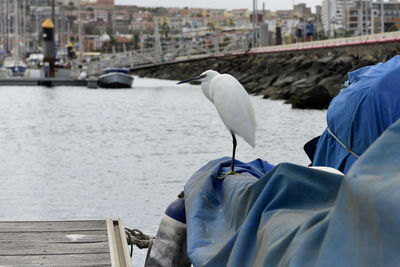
point(80, 32)
point(4, 30)
point(382, 18)
point(24, 24)
point(37, 25)
point(53, 16)
point(16, 28)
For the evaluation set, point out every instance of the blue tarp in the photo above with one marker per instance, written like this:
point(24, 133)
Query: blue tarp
point(368, 105)
point(298, 216)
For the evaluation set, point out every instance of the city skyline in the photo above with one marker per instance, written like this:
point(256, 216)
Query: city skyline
point(232, 4)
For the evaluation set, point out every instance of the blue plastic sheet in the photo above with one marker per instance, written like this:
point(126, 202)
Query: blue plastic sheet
point(298, 216)
point(368, 105)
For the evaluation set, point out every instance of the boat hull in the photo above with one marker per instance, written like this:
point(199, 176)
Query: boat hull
point(115, 80)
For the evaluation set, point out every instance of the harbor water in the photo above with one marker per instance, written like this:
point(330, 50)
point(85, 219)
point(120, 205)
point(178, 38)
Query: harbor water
point(79, 153)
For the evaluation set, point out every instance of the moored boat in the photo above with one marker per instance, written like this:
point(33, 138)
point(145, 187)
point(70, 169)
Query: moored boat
point(16, 65)
point(115, 78)
point(5, 73)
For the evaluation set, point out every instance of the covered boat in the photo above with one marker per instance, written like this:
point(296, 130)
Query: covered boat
point(367, 105)
point(116, 78)
point(292, 215)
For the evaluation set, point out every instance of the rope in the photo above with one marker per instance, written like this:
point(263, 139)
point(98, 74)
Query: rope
point(225, 174)
point(141, 240)
point(343, 145)
point(138, 238)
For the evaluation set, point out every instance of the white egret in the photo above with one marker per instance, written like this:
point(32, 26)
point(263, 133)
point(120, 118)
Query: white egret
point(232, 103)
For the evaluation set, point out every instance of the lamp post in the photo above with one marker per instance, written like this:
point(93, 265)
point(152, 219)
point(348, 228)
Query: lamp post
point(16, 28)
point(80, 32)
point(37, 25)
point(382, 18)
point(372, 18)
point(254, 24)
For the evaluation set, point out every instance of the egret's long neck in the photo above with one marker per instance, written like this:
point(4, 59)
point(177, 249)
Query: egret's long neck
point(205, 87)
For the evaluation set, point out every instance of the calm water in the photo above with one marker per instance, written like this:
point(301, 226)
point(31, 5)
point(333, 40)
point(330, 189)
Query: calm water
point(77, 153)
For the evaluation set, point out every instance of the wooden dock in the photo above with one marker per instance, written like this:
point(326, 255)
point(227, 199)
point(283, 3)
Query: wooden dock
point(64, 243)
point(91, 83)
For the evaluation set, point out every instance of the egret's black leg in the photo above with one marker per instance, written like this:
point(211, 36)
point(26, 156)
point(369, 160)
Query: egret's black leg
point(233, 159)
point(234, 150)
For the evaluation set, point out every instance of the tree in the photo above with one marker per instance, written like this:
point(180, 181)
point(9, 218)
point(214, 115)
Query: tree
point(91, 14)
point(135, 40)
point(165, 29)
point(211, 27)
point(109, 31)
point(392, 28)
point(90, 29)
point(71, 20)
point(70, 7)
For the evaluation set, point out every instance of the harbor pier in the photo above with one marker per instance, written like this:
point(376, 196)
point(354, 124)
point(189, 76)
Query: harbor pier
point(91, 83)
point(64, 243)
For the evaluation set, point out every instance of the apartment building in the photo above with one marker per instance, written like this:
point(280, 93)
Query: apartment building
point(334, 15)
point(367, 17)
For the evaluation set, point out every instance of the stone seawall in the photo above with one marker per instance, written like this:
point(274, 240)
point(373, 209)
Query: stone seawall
point(306, 79)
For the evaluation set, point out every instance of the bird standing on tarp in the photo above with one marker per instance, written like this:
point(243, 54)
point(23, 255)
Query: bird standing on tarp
point(233, 105)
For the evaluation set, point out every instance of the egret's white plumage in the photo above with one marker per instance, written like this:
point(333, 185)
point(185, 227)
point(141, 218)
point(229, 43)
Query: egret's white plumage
point(232, 103)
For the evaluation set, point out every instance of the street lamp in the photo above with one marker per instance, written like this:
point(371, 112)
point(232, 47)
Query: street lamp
point(254, 23)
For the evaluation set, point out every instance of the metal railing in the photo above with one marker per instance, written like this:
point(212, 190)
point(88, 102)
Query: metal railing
point(338, 42)
point(167, 54)
point(239, 45)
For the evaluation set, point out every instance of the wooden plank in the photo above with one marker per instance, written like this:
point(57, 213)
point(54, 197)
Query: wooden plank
point(118, 242)
point(66, 222)
point(52, 226)
point(44, 243)
point(118, 246)
point(103, 252)
point(74, 259)
point(83, 264)
point(112, 244)
point(86, 236)
point(124, 244)
point(63, 243)
point(50, 249)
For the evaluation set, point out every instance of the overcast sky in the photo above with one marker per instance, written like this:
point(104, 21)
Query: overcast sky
point(227, 4)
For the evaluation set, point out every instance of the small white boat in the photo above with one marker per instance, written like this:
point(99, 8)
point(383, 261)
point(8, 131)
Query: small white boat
point(35, 60)
point(17, 66)
point(5, 73)
point(115, 78)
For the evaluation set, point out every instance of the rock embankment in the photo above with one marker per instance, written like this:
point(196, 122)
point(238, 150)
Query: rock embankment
point(306, 79)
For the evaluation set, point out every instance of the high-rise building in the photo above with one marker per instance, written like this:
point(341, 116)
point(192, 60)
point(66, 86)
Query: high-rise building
point(335, 15)
point(367, 17)
point(302, 11)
